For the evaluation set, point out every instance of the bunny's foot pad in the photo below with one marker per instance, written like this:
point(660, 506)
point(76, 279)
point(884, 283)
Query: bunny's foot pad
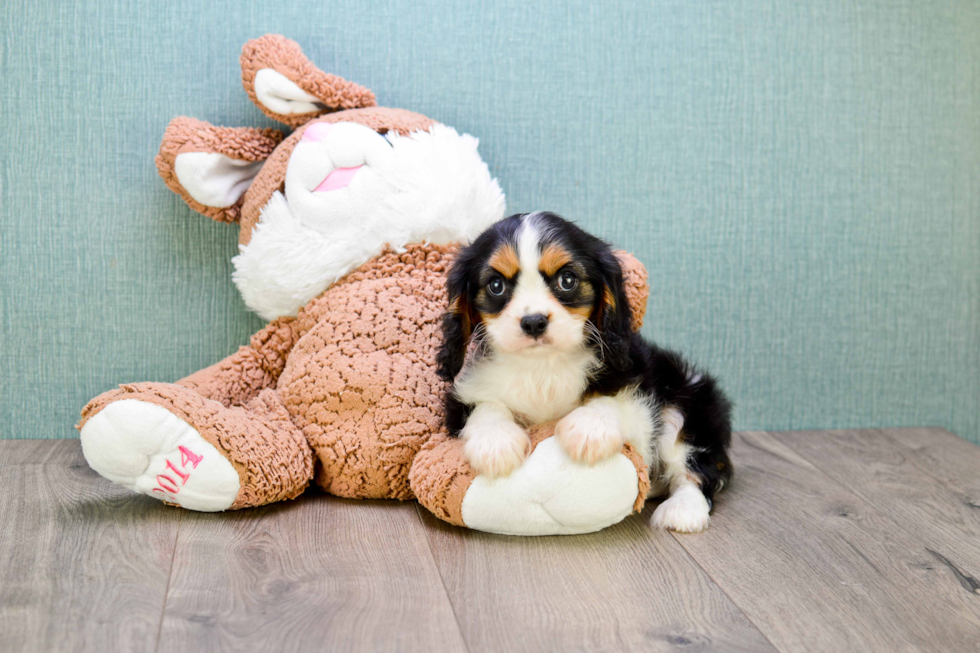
point(148, 449)
point(549, 494)
point(169, 442)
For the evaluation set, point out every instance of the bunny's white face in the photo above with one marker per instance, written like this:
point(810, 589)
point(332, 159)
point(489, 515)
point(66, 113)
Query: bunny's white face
point(339, 174)
point(349, 192)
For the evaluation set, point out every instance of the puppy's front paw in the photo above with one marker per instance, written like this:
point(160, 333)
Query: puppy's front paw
point(495, 448)
point(686, 511)
point(589, 434)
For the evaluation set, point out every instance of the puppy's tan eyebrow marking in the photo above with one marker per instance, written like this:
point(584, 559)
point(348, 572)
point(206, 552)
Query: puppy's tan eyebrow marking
point(608, 299)
point(505, 261)
point(553, 258)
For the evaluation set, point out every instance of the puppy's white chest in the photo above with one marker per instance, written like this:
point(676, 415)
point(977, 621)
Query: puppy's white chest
point(541, 389)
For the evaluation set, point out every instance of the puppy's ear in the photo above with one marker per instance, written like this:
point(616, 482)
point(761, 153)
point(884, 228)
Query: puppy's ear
point(614, 317)
point(458, 322)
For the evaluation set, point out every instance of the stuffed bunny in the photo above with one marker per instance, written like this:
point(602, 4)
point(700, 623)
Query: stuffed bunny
point(347, 228)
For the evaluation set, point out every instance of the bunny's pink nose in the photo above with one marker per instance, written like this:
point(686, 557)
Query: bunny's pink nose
point(317, 131)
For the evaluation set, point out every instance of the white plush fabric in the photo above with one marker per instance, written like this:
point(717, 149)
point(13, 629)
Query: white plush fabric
point(430, 186)
point(138, 445)
point(280, 94)
point(214, 179)
point(549, 494)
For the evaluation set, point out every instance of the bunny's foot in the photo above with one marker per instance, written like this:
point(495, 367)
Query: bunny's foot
point(169, 443)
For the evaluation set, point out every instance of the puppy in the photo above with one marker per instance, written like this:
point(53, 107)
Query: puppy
point(544, 303)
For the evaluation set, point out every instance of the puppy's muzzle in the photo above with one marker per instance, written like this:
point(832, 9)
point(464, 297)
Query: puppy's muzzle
point(534, 325)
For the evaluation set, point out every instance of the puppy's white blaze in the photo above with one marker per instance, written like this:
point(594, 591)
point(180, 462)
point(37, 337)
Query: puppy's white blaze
point(532, 294)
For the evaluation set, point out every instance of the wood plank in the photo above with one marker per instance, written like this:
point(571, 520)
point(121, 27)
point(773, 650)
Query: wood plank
point(889, 476)
point(946, 457)
point(318, 573)
point(826, 541)
point(818, 568)
point(85, 563)
point(624, 588)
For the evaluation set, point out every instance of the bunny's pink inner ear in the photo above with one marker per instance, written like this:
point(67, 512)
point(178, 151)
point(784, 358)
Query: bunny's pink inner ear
point(212, 167)
point(281, 95)
point(287, 87)
point(214, 179)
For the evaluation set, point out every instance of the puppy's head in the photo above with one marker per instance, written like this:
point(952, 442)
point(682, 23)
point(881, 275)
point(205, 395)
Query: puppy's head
point(536, 284)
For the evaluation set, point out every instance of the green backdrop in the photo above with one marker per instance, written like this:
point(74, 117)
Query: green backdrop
point(801, 178)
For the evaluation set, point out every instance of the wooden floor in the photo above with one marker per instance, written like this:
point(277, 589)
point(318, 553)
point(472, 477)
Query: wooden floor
point(825, 541)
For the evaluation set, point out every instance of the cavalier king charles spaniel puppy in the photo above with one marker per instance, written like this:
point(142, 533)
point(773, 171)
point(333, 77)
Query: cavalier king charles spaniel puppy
point(545, 305)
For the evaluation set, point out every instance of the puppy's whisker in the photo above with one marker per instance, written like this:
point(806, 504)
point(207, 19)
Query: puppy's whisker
point(593, 334)
point(479, 333)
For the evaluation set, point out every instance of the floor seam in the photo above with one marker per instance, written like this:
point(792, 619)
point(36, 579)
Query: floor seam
point(721, 589)
point(170, 573)
point(442, 581)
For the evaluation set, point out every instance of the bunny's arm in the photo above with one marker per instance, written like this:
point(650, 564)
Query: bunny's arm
point(240, 377)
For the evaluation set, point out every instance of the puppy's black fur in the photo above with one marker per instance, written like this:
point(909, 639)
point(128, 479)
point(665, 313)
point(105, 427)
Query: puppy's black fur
point(626, 359)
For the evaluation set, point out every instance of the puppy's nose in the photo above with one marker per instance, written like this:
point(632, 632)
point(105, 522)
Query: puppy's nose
point(534, 325)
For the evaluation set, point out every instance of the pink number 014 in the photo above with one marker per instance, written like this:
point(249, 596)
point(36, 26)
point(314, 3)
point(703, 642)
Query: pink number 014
point(168, 486)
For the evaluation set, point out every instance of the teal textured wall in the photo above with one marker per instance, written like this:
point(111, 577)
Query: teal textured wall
point(802, 180)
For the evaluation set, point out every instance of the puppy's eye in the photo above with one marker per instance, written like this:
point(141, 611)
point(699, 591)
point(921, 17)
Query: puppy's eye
point(496, 287)
point(567, 281)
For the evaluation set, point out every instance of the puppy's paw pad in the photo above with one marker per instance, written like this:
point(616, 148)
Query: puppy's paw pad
point(495, 449)
point(589, 435)
point(148, 449)
point(686, 511)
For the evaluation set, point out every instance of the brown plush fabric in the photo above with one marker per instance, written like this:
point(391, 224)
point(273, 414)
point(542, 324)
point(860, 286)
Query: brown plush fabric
point(190, 135)
point(440, 477)
point(239, 378)
point(287, 58)
point(642, 473)
point(636, 285)
point(361, 382)
point(272, 177)
point(270, 454)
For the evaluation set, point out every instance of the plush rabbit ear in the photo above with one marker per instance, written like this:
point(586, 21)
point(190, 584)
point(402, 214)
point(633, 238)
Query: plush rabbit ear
point(212, 167)
point(287, 87)
point(636, 287)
